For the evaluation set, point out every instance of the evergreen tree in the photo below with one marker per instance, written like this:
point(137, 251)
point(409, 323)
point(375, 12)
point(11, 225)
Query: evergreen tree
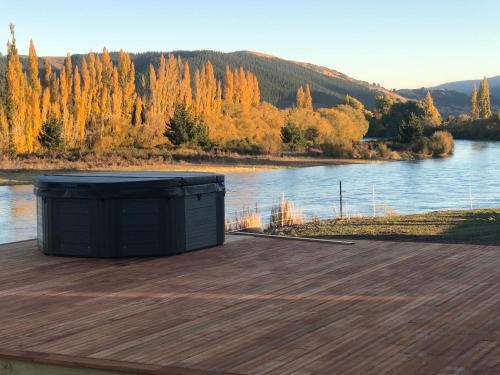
point(431, 112)
point(51, 136)
point(474, 104)
point(484, 99)
point(184, 130)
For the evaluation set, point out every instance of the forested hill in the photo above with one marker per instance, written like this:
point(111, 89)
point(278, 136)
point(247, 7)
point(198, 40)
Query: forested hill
point(448, 102)
point(466, 86)
point(278, 78)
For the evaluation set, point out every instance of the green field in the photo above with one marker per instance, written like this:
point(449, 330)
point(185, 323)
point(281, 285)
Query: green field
point(468, 226)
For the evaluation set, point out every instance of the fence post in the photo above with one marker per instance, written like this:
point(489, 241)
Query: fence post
point(470, 196)
point(373, 201)
point(281, 209)
point(340, 186)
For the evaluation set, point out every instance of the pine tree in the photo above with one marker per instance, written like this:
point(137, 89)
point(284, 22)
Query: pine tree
point(474, 104)
point(430, 110)
point(484, 99)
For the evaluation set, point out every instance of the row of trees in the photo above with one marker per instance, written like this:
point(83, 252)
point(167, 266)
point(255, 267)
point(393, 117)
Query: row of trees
point(480, 102)
point(100, 103)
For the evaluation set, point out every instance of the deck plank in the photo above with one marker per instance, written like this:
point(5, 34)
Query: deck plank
point(262, 306)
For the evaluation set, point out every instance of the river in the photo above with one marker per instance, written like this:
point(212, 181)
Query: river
point(469, 178)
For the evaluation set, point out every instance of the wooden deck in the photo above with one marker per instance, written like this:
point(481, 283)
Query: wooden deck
point(259, 306)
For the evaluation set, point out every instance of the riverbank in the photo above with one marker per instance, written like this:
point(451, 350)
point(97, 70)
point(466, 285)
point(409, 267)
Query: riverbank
point(21, 170)
point(480, 226)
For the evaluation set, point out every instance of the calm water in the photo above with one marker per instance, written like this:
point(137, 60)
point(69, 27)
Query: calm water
point(470, 177)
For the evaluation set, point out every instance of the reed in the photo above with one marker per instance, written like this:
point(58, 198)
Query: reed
point(247, 220)
point(285, 214)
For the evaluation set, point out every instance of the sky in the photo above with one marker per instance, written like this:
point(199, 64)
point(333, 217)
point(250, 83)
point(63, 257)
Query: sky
point(399, 44)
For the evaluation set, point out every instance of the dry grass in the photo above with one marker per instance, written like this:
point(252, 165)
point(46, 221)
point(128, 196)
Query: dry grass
point(285, 214)
point(248, 220)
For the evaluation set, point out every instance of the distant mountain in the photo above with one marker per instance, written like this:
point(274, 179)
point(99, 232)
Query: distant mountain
point(466, 86)
point(278, 78)
point(448, 102)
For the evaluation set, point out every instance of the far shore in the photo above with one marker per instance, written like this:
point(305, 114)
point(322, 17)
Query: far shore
point(21, 171)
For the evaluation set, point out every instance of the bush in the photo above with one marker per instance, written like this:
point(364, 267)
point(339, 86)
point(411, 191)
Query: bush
point(383, 151)
point(339, 150)
point(242, 146)
point(441, 143)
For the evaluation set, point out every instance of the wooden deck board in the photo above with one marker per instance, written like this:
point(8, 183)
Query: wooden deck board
point(262, 306)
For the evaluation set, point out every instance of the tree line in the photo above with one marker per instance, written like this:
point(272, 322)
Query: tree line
point(98, 104)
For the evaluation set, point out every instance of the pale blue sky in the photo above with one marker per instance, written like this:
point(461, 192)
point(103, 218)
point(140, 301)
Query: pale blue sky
point(402, 44)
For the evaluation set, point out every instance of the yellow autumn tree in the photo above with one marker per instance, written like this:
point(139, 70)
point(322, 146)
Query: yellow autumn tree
point(16, 97)
point(430, 110)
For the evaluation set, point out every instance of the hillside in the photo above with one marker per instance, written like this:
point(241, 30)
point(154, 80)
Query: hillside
point(448, 102)
point(278, 78)
point(466, 86)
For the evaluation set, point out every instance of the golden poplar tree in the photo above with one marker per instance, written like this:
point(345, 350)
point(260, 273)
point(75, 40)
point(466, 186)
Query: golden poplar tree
point(16, 97)
point(228, 85)
point(33, 122)
point(79, 110)
point(138, 108)
point(431, 112)
point(126, 77)
point(299, 98)
point(484, 99)
point(186, 95)
point(308, 102)
point(474, 104)
point(245, 94)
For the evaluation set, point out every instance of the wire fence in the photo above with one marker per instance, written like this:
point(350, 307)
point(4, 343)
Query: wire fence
point(344, 204)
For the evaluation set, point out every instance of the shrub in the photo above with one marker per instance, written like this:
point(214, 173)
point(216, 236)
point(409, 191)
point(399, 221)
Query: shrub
point(339, 150)
point(242, 146)
point(420, 146)
point(441, 143)
point(383, 151)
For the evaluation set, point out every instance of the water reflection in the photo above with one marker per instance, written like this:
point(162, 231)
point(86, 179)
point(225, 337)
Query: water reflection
point(17, 213)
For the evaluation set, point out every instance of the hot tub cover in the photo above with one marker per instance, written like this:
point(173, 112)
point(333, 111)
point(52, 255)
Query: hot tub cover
point(126, 184)
point(117, 214)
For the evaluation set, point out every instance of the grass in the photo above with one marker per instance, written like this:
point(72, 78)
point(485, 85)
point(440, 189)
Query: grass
point(480, 226)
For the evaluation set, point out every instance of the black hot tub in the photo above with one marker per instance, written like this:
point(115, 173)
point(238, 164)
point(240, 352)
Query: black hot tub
point(122, 214)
